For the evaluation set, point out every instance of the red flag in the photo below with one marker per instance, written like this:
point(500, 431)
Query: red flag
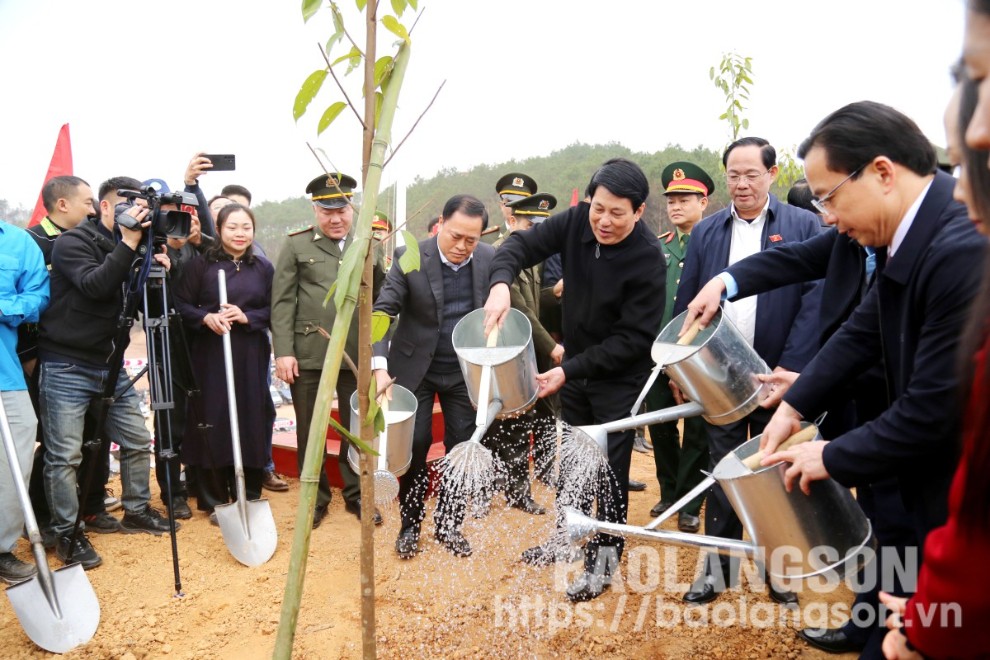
point(574, 198)
point(61, 165)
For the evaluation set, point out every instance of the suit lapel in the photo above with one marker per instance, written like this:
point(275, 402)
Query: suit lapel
point(434, 274)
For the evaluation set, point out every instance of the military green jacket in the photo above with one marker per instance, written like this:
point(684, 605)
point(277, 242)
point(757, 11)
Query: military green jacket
point(674, 255)
point(525, 296)
point(306, 269)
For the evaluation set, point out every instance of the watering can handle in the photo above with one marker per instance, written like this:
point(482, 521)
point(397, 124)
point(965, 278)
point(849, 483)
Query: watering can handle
point(492, 340)
point(691, 333)
point(805, 434)
point(383, 437)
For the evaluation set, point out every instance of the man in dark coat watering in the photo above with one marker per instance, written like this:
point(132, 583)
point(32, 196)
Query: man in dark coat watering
point(613, 304)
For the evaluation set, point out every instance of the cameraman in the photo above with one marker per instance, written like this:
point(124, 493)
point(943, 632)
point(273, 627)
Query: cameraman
point(90, 272)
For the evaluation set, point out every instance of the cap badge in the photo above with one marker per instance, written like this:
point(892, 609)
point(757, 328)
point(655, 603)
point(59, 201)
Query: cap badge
point(544, 205)
point(331, 181)
point(518, 182)
point(679, 174)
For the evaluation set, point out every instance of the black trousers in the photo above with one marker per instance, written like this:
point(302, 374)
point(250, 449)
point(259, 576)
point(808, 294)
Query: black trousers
point(509, 440)
point(459, 424)
point(304, 403)
point(895, 531)
point(218, 486)
point(586, 401)
point(679, 464)
point(720, 517)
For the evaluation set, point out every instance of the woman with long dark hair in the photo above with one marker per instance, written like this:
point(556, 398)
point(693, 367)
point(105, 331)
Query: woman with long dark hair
point(948, 615)
point(206, 448)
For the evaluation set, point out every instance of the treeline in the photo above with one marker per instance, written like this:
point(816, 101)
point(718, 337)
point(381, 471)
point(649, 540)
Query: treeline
point(559, 173)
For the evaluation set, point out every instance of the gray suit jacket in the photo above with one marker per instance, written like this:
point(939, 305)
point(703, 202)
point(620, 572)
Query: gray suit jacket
point(417, 299)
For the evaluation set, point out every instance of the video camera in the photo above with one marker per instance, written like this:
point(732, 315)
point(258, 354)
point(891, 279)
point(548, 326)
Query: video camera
point(164, 224)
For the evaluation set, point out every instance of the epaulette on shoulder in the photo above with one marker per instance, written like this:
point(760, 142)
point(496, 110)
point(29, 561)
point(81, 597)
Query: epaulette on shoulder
point(301, 230)
point(666, 235)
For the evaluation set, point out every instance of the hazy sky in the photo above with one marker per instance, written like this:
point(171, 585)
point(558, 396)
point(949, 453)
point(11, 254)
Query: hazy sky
point(145, 84)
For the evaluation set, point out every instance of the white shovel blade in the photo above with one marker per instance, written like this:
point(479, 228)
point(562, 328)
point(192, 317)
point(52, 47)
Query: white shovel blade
point(80, 610)
point(255, 544)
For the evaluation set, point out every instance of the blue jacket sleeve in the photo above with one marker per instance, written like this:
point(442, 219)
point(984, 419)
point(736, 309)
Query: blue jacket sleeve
point(30, 293)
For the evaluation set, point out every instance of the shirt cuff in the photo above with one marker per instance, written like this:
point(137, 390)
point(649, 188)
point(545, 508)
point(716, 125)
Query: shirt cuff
point(731, 288)
point(379, 362)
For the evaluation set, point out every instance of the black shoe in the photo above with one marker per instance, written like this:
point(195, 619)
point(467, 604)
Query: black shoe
point(148, 521)
point(180, 507)
point(702, 593)
point(688, 523)
point(15, 571)
point(588, 586)
point(546, 555)
point(407, 545)
point(529, 505)
point(660, 507)
point(782, 596)
point(319, 513)
point(832, 640)
point(102, 523)
point(455, 542)
point(636, 485)
point(355, 508)
point(213, 519)
point(82, 552)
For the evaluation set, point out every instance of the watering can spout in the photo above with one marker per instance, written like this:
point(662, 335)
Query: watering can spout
point(580, 528)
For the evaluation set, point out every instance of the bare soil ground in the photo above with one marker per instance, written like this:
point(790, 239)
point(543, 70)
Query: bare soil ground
point(490, 605)
point(435, 605)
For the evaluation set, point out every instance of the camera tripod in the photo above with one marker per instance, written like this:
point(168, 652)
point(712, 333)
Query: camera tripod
point(147, 286)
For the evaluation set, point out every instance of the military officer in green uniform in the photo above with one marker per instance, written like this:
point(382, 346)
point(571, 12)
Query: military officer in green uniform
point(306, 269)
point(509, 438)
point(679, 464)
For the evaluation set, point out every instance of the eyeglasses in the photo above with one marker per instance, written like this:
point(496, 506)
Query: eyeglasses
point(821, 203)
point(733, 179)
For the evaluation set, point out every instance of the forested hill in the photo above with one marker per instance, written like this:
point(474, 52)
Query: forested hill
point(559, 173)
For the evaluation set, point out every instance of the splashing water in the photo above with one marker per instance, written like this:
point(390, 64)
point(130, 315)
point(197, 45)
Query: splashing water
point(468, 472)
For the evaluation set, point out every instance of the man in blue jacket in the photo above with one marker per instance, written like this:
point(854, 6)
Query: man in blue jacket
point(780, 324)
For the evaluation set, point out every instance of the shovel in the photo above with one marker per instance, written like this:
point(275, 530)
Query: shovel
point(58, 610)
point(248, 528)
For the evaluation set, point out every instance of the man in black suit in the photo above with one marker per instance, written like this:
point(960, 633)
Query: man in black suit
point(874, 175)
point(452, 281)
point(613, 304)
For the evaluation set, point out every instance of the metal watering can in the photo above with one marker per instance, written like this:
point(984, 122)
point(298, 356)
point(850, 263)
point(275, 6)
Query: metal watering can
point(394, 445)
point(799, 536)
point(716, 368)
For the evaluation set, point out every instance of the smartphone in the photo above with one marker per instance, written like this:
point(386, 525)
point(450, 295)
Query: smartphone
point(221, 162)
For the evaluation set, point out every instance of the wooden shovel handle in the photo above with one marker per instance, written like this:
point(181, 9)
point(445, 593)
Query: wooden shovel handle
point(691, 333)
point(805, 434)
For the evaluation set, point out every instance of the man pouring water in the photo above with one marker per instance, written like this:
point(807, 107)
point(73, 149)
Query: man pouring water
point(612, 309)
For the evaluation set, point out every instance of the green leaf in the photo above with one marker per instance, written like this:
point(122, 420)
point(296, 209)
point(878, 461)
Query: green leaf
point(330, 292)
point(373, 407)
point(398, 6)
point(329, 115)
point(383, 67)
point(380, 321)
point(347, 56)
point(379, 421)
point(338, 18)
point(360, 4)
point(409, 261)
point(306, 93)
point(414, 4)
point(309, 7)
point(745, 123)
point(351, 438)
point(334, 39)
point(711, 73)
point(395, 27)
